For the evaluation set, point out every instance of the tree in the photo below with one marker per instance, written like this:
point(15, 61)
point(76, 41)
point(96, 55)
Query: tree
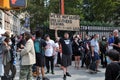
point(100, 10)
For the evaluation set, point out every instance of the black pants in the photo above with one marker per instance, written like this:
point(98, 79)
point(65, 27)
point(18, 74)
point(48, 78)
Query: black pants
point(103, 59)
point(51, 61)
point(83, 59)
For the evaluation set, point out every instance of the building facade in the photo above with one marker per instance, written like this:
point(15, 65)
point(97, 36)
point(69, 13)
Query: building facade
point(9, 22)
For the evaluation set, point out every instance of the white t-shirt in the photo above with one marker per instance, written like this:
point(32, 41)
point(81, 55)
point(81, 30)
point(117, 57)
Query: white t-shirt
point(49, 48)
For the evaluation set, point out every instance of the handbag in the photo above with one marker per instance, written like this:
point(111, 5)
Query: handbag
point(92, 65)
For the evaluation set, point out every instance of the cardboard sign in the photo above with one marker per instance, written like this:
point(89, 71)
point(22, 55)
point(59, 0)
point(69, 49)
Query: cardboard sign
point(64, 22)
point(18, 3)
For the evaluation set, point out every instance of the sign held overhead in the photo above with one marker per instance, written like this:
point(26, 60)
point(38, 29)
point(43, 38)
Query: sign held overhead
point(64, 22)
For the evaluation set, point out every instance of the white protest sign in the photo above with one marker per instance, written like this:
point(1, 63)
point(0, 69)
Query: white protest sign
point(64, 22)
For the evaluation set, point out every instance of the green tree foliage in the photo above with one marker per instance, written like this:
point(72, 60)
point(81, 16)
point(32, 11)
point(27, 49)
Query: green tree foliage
point(100, 10)
point(89, 10)
point(39, 10)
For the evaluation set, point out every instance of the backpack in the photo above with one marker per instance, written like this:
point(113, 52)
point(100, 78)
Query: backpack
point(103, 45)
point(38, 45)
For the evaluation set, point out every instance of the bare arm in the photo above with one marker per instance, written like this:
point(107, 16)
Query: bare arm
point(92, 49)
point(56, 35)
point(116, 45)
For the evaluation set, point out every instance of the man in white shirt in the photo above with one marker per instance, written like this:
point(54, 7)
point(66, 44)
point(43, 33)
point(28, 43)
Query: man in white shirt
point(95, 50)
point(49, 54)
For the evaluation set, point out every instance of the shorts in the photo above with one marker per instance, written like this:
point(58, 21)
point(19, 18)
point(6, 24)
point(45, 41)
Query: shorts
point(66, 60)
point(96, 56)
point(40, 60)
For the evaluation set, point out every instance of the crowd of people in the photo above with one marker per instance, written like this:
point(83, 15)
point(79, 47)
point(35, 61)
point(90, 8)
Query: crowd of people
point(38, 52)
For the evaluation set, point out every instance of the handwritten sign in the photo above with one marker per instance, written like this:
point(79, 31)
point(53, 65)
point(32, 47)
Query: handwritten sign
point(64, 22)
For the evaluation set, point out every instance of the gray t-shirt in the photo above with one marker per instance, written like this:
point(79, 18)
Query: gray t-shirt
point(95, 44)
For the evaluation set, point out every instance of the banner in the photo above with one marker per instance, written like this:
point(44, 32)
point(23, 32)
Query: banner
point(64, 22)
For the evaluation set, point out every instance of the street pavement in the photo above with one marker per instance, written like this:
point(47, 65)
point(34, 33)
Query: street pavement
point(81, 74)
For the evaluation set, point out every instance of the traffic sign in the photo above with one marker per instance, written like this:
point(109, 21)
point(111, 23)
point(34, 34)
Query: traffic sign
point(18, 3)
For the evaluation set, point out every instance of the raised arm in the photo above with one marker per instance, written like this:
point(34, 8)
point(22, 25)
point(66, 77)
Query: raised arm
point(56, 34)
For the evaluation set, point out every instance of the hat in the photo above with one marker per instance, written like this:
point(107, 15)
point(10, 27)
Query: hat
point(6, 34)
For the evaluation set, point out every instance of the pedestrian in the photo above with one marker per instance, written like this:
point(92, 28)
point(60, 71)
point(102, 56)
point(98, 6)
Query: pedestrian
point(56, 54)
point(112, 69)
point(6, 56)
point(116, 44)
point(66, 44)
point(27, 58)
point(1, 55)
point(103, 49)
point(76, 52)
point(85, 52)
point(49, 54)
point(95, 49)
point(40, 46)
point(87, 56)
point(110, 41)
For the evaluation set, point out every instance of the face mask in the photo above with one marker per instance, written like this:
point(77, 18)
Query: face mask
point(10, 43)
point(108, 60)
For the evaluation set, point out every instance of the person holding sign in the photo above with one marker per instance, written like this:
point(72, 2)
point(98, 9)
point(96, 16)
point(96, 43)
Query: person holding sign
point(66, 44)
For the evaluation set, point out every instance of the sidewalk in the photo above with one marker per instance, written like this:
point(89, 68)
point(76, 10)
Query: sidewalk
point(80, 74)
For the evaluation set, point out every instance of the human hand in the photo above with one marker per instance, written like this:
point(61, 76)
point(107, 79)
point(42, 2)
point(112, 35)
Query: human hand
point(22, 46)
point(92, 55)
point(112, 44)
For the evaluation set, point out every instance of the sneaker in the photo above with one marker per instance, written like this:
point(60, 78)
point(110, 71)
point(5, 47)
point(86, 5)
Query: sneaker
point(82, 66)
point(47, 72)
point(98, 71)
point(64, 77)
point(45, 78)
point(52, 72)
point(92, 71)
point(68, 74)
point(38, 78)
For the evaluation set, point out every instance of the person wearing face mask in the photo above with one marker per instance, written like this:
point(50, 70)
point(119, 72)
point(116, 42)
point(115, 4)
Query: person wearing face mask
point(113, 68)
point(6, 57)
point(9, 64)
point(95, 51)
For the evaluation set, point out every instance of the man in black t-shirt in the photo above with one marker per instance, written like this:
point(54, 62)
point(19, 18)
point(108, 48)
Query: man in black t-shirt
point(116, 44)
point(66, 44)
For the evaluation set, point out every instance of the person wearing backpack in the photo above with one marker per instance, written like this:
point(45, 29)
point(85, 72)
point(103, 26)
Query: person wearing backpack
point(103, 49)
point(39, 45)
point(113, 69)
